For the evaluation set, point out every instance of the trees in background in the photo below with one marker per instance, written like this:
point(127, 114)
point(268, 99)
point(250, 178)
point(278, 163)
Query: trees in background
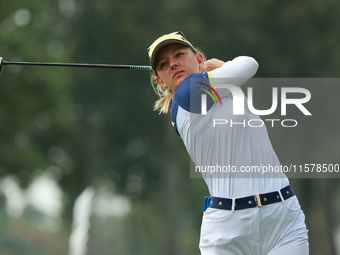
point(92, 126)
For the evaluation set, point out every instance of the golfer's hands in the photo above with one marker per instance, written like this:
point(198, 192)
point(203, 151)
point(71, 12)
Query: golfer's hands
point(212, 64)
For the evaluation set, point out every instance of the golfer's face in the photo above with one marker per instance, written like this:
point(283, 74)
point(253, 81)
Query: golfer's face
point(174, 63)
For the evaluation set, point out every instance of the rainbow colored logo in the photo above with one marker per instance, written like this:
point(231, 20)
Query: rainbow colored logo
point(210, 94)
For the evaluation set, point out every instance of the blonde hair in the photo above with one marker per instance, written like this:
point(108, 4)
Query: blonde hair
point(165, 95)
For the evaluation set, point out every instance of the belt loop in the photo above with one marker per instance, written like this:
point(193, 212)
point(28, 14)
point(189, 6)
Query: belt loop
point(206, 202)
point(282, 199)
point(233, 205)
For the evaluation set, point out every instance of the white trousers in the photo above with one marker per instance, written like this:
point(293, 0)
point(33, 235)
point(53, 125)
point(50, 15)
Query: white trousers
point(273, 229)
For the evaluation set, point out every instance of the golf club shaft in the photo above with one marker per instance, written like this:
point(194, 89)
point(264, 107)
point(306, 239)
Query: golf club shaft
point(77, 65)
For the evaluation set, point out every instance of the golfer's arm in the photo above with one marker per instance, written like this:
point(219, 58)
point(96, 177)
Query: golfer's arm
point(235, 72)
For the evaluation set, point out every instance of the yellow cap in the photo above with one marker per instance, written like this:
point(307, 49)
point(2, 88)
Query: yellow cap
point(156, 46)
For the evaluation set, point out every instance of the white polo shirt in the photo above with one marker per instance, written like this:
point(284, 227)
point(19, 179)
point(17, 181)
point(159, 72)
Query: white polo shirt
point(237, 146)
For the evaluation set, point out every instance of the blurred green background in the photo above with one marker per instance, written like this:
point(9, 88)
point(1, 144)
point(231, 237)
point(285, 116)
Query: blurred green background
point(86, 165)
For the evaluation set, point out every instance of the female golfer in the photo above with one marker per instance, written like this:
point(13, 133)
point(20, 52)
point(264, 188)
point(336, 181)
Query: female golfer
point(246, 212)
